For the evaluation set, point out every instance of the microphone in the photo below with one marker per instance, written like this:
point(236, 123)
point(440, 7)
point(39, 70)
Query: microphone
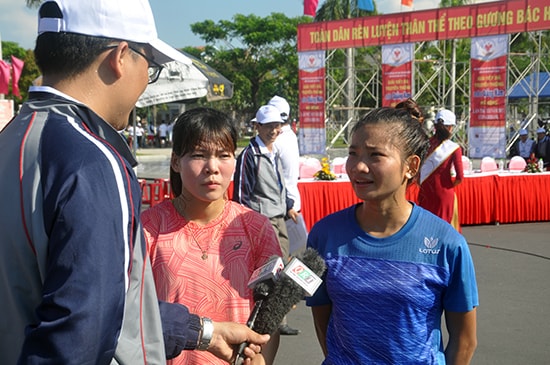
point(262, 280)
point(275, 297)
point(299, 278)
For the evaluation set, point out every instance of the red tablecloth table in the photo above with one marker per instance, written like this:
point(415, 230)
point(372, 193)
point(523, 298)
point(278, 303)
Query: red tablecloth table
point(482, 198)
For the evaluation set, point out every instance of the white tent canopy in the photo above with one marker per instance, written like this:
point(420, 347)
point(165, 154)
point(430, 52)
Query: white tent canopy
point(177, 82)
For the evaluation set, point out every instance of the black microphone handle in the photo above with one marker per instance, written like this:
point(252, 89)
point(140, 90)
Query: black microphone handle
point(239, 359)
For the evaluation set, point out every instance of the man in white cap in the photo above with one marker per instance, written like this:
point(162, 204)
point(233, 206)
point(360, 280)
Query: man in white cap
point(258, 182)
point(524, 146)
point(75, 280)
point(542, 147)
point(289, 156)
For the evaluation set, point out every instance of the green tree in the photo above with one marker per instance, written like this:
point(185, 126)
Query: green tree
point(258, 54)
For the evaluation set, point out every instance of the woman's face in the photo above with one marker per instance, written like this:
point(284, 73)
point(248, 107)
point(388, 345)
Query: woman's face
point(375, 165)
point(205, 172)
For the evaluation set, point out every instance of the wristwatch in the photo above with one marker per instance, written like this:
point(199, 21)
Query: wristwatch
point(206, 334)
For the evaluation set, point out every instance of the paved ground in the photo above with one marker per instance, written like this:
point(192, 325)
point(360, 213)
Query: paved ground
point(513, 272)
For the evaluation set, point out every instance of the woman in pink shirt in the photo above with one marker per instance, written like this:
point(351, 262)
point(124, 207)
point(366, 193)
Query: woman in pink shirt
point(204, 247)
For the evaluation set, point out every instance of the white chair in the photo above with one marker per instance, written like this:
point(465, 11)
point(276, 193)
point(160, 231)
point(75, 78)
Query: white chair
point(466, 165)
point(339, 165)
point(309, 167)
point(517, 164)
point(488, 164)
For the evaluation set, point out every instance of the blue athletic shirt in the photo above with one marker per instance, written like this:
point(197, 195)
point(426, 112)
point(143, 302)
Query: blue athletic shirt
point(388, 294)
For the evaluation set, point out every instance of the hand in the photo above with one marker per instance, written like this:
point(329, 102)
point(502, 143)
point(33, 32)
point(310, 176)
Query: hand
point(227, 335)
point(292, 214)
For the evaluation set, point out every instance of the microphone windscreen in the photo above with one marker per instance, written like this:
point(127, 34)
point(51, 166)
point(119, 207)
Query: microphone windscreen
point(311, 258)
point(286, 293)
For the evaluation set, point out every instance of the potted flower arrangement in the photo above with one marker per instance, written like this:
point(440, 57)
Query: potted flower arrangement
point(324, 173)
point(532, 164)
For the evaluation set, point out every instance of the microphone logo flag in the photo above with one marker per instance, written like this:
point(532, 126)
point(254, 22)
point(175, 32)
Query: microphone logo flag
point(270, 270)
point(303, 276)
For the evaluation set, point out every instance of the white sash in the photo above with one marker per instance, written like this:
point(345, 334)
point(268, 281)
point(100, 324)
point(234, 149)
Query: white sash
point(436, 158)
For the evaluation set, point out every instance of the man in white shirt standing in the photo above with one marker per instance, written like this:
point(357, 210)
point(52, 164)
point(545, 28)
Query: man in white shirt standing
point(289, 156)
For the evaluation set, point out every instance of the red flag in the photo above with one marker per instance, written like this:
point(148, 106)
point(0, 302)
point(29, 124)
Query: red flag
point(17, 66)
point(4, 77)
point(310, 7)
point(408, 3)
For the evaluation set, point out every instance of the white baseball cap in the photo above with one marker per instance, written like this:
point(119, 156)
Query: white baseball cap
point(281, 104)
point(129, 20)
point(447, 116)
point(523, 132)
point(268, 114)
point(541, 130)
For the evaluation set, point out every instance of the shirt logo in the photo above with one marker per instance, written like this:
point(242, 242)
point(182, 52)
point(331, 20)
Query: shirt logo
point(430, 244)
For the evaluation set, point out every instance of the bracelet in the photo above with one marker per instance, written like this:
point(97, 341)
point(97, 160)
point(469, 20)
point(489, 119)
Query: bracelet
point(206, 334)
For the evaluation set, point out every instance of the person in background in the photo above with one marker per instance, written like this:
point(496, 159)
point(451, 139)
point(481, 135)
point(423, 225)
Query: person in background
point(393, 268)
point(203, 247)
point(163, 134)
point(542, 148)
point(289, 156)
point(524, 146)
point(258, 181)
point(437, 186)
point(75, 279)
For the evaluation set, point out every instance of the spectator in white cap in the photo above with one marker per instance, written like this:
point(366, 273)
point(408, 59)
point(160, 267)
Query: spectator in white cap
point(289, 156)
point(75, 278)
point(524, 146)
point(437, 193)
point(542, 147)
point(258, 182)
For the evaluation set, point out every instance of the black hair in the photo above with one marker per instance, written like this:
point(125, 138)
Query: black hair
point(413, 108)
point(441, 131)
point(404, 131)
point(69, 54)
point(201, 127)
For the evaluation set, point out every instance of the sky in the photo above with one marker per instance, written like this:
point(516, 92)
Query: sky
point(173, 17)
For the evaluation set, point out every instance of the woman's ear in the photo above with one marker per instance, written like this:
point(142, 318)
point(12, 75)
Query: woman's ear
point(413, 164)
point(175, 162)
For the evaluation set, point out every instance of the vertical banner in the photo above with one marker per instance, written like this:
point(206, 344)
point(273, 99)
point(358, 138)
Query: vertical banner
point(5, 70)
point(488, 65)
point(311, 75)
point(397, 61)
point(310, 7)
point(17, 67)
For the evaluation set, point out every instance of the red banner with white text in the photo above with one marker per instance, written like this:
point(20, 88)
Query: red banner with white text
point(468, 21)
point(488, 64)
point(397, 61)
point(311, 76)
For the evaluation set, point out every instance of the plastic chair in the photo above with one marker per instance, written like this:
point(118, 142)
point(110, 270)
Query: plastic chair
point(339, 165)
point(466, 165)
point(309, 167)
point(488, 164)
point(517, 164)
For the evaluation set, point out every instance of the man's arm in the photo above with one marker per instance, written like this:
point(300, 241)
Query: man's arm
point(244, 179)
point(462, 337)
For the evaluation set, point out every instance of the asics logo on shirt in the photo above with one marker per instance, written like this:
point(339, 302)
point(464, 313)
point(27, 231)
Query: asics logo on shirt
point(430, 244)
